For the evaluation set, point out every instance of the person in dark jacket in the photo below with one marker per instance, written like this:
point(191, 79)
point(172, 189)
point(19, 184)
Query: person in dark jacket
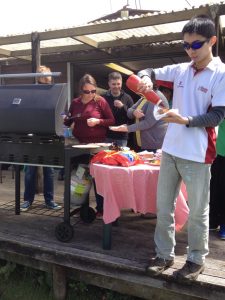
point(31, 171)
point(119, 102)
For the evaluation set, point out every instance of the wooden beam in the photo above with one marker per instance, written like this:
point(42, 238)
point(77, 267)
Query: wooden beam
point(90, 42)
point(102, 45)
point(86, 40)
point(49, 50)
point(115, 274)
point(8, 53)
point(59, 282)
point(5, 52)
point(123, 25)
point(26, 58)
point(156, 53)
point(160, 38)
point(15, 39)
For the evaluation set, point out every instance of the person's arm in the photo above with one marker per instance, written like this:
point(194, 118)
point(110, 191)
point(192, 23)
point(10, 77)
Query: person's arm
point(149, 72)
point(108, 118)
point(210, 119)
point(130, 111)
point(125, 103)
point(145, 123)
point(165, 102)
point(128, 103)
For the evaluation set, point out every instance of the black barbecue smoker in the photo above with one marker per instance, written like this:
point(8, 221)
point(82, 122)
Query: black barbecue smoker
point(31, 133)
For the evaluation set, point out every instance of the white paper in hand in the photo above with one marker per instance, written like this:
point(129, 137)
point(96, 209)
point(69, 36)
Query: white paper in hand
point(159, 116)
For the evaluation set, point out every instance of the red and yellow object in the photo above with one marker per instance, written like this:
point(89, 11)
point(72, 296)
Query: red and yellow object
point(132, 84)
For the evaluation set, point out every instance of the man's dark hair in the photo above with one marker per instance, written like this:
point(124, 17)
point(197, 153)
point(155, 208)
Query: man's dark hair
point(115, 76)
point(202, 25)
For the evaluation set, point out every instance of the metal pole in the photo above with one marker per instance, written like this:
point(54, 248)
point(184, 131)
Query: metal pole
point(30, 75)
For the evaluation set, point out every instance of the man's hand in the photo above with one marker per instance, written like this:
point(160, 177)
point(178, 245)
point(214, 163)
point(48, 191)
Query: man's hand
point(121, 128)
point(138, 113)
point(145, 84)
point(118, 103)
point(173, 117)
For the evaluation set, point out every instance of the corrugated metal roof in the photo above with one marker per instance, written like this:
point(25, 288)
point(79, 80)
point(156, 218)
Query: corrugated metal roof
point(138, 32)
point(94, 39)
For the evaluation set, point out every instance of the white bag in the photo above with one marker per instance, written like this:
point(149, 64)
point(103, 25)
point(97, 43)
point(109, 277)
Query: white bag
point(80, 186)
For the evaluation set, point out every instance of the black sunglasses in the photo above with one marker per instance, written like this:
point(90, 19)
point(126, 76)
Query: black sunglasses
point(89, 92)
point(195, 45)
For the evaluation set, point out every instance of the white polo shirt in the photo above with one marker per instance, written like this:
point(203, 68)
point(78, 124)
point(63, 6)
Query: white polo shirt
point(194, 94)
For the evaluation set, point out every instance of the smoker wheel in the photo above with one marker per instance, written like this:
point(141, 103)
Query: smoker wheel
point(64, 232)
point(87, 214)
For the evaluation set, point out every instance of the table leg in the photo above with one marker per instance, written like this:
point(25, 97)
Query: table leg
point(17, 190)
point(67, 187)
point(107, 236)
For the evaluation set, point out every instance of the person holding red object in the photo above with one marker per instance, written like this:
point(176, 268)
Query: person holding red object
point(189, 145)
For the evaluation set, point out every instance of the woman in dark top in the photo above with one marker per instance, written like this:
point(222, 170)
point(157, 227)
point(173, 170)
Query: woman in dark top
point(89, 114)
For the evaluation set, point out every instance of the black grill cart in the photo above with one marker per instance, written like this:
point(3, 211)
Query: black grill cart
point(31, 133)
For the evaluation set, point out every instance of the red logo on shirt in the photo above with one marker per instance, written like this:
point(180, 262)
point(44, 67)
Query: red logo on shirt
point(180, 84)
point(203, 89)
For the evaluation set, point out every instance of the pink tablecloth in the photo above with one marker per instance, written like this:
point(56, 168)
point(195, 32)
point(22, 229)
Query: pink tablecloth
point(133, 187)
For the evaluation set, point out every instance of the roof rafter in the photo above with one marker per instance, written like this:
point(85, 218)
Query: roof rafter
point(103, 45)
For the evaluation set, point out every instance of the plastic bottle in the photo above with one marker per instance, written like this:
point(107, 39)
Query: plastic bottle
point(132, 83)
point(67, 131)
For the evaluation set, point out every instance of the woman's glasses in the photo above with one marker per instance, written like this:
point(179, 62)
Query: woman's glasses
point(89, 92)
point(195, 45)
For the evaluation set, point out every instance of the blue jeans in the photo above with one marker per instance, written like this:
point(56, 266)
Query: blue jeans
point(196, 177)
point(30, 181)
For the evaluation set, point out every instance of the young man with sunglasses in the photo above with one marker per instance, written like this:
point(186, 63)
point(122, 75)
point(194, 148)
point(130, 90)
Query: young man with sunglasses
point(189, 145)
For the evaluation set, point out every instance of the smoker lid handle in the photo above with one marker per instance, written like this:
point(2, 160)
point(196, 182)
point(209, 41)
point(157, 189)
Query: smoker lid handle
point(31, 75)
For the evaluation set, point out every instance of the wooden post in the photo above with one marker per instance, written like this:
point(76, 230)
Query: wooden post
point(216, 18)
point(59, 282)
point(36, 56)
point(36, 61)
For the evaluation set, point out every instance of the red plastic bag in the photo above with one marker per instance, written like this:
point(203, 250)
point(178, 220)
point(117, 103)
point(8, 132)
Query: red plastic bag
point(117, 158)
point(110, 160)
point(97, 158)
